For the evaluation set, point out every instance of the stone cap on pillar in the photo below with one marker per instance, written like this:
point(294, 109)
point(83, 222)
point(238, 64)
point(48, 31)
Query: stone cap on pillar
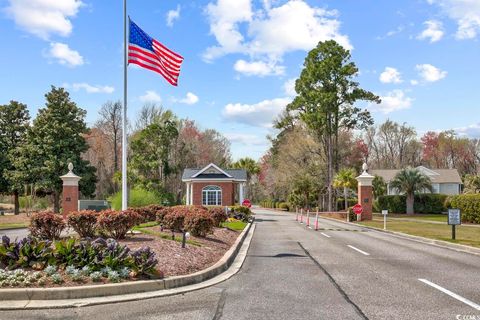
point(70, 179)
point(365, 179)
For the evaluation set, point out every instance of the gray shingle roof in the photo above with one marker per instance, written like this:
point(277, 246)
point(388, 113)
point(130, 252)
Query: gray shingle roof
point(237, 174)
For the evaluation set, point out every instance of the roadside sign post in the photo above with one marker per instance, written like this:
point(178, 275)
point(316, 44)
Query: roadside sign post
point(296, 213)
point(316, 221)
point(385, 213)
point(301, 215)
point(357, 209)
point(454, 219)
point(308, 219)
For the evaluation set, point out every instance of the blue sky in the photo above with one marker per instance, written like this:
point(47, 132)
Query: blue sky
point(241, 57)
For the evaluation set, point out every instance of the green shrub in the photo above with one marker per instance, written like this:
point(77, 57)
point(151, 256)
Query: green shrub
point(284, 206)
point(341, 203)
point(241, 213)
point(424, 203)
point(83, 222)
point(138, 197)
point(35, 203)
point(115, 224)
point(199, 222)
point(469, 205)
point(46, 225)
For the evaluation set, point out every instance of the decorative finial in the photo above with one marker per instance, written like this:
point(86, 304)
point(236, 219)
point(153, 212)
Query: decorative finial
point(70, 167)
point(365, 167)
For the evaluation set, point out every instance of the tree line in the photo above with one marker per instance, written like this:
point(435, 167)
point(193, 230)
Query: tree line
point(324, 138)
point(35, 153)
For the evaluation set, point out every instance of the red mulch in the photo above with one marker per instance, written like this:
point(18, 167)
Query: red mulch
point(173, 260)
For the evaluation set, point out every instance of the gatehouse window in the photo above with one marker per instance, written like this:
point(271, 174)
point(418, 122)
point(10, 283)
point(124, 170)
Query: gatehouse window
point(212, 196)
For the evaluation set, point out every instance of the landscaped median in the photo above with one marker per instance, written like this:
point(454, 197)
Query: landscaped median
point(205, 256)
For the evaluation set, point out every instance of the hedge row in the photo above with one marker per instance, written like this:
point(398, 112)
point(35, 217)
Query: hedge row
point(469, 205)
point(276, 205)
point(115, 224)
point(424, 203)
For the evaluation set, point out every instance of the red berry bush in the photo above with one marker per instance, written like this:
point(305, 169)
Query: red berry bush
point(83, 222)
point(199, 222)
point(218, 215)
point(116, 224)
point(46, 225)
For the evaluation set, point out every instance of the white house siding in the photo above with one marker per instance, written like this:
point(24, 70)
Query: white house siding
point(449, 188)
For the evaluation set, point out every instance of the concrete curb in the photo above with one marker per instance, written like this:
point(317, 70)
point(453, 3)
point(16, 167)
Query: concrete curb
point(13, 228)
point(437, 243)
point(40, 298)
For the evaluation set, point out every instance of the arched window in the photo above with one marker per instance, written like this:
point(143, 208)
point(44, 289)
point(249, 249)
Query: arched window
point(212, 196)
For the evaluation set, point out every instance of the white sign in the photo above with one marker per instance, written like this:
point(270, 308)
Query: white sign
point(454, 217)
point(384, 212)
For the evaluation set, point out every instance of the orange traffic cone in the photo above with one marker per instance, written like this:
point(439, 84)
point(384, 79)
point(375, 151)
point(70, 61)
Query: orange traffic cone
point(301, 215)
point(308, 218)
point(316, 222)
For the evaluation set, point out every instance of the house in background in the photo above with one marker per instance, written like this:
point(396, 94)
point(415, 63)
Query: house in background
point(213, 186)
point(444, 181)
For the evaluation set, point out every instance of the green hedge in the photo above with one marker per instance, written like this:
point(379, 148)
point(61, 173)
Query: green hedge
point(469, 205)
point(424, 203)
point(138, 198)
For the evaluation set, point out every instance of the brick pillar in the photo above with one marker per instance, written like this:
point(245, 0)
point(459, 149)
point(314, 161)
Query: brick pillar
point(365, 193)
point(70, 191)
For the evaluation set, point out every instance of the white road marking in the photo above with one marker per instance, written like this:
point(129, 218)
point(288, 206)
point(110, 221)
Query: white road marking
point(452, 294)
point(325, 235)
point(356, 249)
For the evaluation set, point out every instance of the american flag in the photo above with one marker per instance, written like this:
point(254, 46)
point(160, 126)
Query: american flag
point(148, 53)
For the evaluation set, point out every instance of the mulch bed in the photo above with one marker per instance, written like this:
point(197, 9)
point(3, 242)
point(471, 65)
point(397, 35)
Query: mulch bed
point(173, 260)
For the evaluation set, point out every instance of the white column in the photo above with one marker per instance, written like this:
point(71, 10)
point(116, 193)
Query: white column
point(241, 192)
point(187, 197)
point(191, 193)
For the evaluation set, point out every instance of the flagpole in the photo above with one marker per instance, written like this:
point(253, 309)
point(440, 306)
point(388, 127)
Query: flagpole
point(124, 122)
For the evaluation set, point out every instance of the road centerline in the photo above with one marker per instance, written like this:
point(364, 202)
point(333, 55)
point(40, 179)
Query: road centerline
point(451, 294)
point(358, 250)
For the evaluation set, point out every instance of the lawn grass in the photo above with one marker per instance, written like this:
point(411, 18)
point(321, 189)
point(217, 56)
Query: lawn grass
point(425, 217)
point(4, 226)
point(237, 225)
point(163, 235)
point(464, 235)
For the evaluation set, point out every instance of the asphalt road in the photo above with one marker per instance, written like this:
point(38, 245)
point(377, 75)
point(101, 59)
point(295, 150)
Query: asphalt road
point(340, 272)
point(15, 233)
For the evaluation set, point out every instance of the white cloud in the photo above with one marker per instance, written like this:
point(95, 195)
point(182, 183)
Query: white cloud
point(64, 55)
point(391, 33)
point(258, 68)
point(173, 15)
point(89, 88)
point(472, 131)
point(151, 96)
point(190, 98)
point(414, 82)
point(44, 17)
point(433, 31)
point(289, 87)
point(430, 73)
point(270, 32)
point(245, 139)
point(393, 101)
point(390, 75)
point(465, 12)
point(259, 114)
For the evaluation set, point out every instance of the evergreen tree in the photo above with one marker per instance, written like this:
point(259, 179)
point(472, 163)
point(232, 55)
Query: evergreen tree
point(14, 123)
point(55, 139)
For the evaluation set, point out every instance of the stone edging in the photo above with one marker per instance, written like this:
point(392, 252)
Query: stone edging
point(438, 243)
point(133, 287)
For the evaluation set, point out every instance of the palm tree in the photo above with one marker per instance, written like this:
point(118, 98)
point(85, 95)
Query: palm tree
point(409, 181)
point(345, 179)
point(252, 167)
